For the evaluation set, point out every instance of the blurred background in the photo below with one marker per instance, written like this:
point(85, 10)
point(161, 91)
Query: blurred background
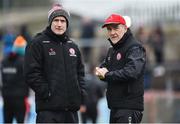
point(155, 23)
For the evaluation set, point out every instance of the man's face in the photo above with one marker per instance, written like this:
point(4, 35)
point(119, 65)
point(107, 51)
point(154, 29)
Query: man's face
point(116, 32)
point(59, 25)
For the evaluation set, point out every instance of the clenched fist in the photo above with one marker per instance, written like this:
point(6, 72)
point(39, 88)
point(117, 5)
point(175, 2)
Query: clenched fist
point(100, 72)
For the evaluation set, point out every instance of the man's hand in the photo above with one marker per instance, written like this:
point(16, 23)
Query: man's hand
point(100, 72)
point(82, 109)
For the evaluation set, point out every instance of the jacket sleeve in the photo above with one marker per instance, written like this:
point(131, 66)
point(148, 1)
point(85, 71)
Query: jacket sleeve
point(81, 80)
point(105, 62)
point(34, 71)
point(134, 67)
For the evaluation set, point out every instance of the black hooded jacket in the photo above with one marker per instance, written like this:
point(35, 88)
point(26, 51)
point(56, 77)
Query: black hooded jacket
point(126, 64)
point(12, 77)
point(54, 70)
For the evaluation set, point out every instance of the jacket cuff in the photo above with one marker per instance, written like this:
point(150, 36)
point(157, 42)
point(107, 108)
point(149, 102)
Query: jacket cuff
point(107, 76)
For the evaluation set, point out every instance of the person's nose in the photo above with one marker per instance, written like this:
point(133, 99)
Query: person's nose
point(112, 32)
point(59, 23)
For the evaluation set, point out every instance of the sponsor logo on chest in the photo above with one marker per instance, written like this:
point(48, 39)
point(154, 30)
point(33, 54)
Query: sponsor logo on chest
point(118, 57)
point(46, 41)
point(52, 52)
point(9, 70)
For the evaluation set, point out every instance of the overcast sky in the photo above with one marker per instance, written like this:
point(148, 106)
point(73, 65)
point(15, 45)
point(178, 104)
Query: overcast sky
point(92, 8)
point(99, 9)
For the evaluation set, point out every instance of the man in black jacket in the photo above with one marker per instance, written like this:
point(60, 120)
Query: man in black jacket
point(14, 89)
point(95, 90)
point(54, 70)
point(123, 70)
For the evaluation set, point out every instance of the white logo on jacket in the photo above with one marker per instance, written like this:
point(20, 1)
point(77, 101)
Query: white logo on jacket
point(72, 52)
point(118, 56)
point(9, 70)
point(46, 41)
point(52, 52)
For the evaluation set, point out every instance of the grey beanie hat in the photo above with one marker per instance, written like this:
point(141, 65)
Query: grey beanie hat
point(57, 10)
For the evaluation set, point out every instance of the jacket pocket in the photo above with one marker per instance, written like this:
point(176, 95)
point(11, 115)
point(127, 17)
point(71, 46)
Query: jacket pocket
point(42, 91)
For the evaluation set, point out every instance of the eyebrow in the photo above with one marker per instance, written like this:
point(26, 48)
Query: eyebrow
point(56, 19)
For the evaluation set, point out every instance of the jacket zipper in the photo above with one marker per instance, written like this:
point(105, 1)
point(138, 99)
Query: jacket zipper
point(112, 57)
point(64, 63)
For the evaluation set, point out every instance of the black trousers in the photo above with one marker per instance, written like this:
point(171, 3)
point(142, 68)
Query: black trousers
point(14, 108)
point(57, 117)
point(91, 113)
point(125, 116)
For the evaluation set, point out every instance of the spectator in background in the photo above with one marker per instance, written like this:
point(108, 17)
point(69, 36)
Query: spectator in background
point(8, 38)
point(94, 93)
point(55, 72)
point(25, 33)
point(1, 34)
point(88, 33)
point(14, 89)
point(142, 37)
point(1, 43)
point(123, 70)
point(157, 40)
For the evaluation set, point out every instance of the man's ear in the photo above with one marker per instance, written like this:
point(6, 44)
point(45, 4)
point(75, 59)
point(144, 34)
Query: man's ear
point(125, 29)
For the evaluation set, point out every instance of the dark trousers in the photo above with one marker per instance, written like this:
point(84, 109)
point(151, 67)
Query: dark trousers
point(125, 116)
point(57, 117)
point(91, 113)
point(14, 108)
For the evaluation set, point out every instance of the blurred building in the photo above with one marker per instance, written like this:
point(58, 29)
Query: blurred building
point(150, 11)
point(141, 11)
